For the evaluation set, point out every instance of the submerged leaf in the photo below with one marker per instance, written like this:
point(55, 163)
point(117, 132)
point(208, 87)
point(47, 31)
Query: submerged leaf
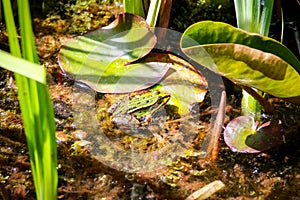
point(185, 84)
point(242, 135)
point(236, 133)
point(267, 136)
point(103, 58)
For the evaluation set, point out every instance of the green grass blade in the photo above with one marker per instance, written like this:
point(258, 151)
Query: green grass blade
point(27, 37)
point(35, 103)
point(256, 12)
point(239, 12)
point(282, 26)
point(44, 142)
point(248, 14)
point(134, 7)
point(266, 17)
point(23, 67)
point(153, 12)
point(11, 29)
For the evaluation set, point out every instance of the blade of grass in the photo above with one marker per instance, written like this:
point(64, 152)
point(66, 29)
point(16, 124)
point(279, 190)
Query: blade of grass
point(44, 141)
point(23, 67)
point(36, 107)
point(282, 28)
point(11, 29)
point(153, 12)
point(240, 12)
point(248, 14)
point(134, 7)
point(266, 17)
point(256, 13)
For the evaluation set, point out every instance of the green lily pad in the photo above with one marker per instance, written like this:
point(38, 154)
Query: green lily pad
point(245, 58)
point(184, 83)
point(103, 59)
point(236, 133)
point(186, 86)
point(243, 135)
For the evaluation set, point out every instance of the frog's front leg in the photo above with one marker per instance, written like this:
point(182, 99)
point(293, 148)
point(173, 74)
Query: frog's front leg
point(131, 126)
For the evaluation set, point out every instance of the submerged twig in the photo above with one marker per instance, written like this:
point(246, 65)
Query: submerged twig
point(213, 145)
point(206, 191)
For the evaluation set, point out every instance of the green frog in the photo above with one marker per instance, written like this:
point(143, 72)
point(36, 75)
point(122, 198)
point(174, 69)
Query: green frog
point(139, 109)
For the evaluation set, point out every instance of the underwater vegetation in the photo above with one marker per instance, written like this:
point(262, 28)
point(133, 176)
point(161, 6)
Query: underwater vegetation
point(136, 111)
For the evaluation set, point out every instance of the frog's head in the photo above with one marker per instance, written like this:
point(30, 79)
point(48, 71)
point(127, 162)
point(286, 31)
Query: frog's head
point(164, 98)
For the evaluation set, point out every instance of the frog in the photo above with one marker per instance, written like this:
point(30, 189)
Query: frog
point(137, 109)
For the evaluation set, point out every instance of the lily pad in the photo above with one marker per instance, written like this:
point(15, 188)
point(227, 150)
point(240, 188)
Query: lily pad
point(103, 59)
point(184, 83)
point(248, 59)
point(242, 134)
point(184, 87)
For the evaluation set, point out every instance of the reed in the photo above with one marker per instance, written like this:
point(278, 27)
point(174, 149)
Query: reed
point(34, 98)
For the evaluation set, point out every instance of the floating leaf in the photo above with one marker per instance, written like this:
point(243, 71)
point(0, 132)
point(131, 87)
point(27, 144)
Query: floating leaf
point(245, 58)
point(267, 136)
point(242, 135)
point(103, 58)
point(185, 85)
point(236, 133)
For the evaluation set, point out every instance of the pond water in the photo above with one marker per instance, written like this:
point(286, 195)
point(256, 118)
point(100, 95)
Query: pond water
point(274, 174)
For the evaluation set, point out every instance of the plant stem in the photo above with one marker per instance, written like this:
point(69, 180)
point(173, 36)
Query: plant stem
point(249, 105)
point(251, 18)
point(263, 102)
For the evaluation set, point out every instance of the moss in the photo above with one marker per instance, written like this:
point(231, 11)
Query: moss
point(82, 15)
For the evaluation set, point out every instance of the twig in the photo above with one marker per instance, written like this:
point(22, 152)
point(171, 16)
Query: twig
point(206, 191)
point(212, 149)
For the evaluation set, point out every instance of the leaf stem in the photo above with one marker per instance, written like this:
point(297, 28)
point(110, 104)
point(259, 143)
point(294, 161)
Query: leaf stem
point(263, 102)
